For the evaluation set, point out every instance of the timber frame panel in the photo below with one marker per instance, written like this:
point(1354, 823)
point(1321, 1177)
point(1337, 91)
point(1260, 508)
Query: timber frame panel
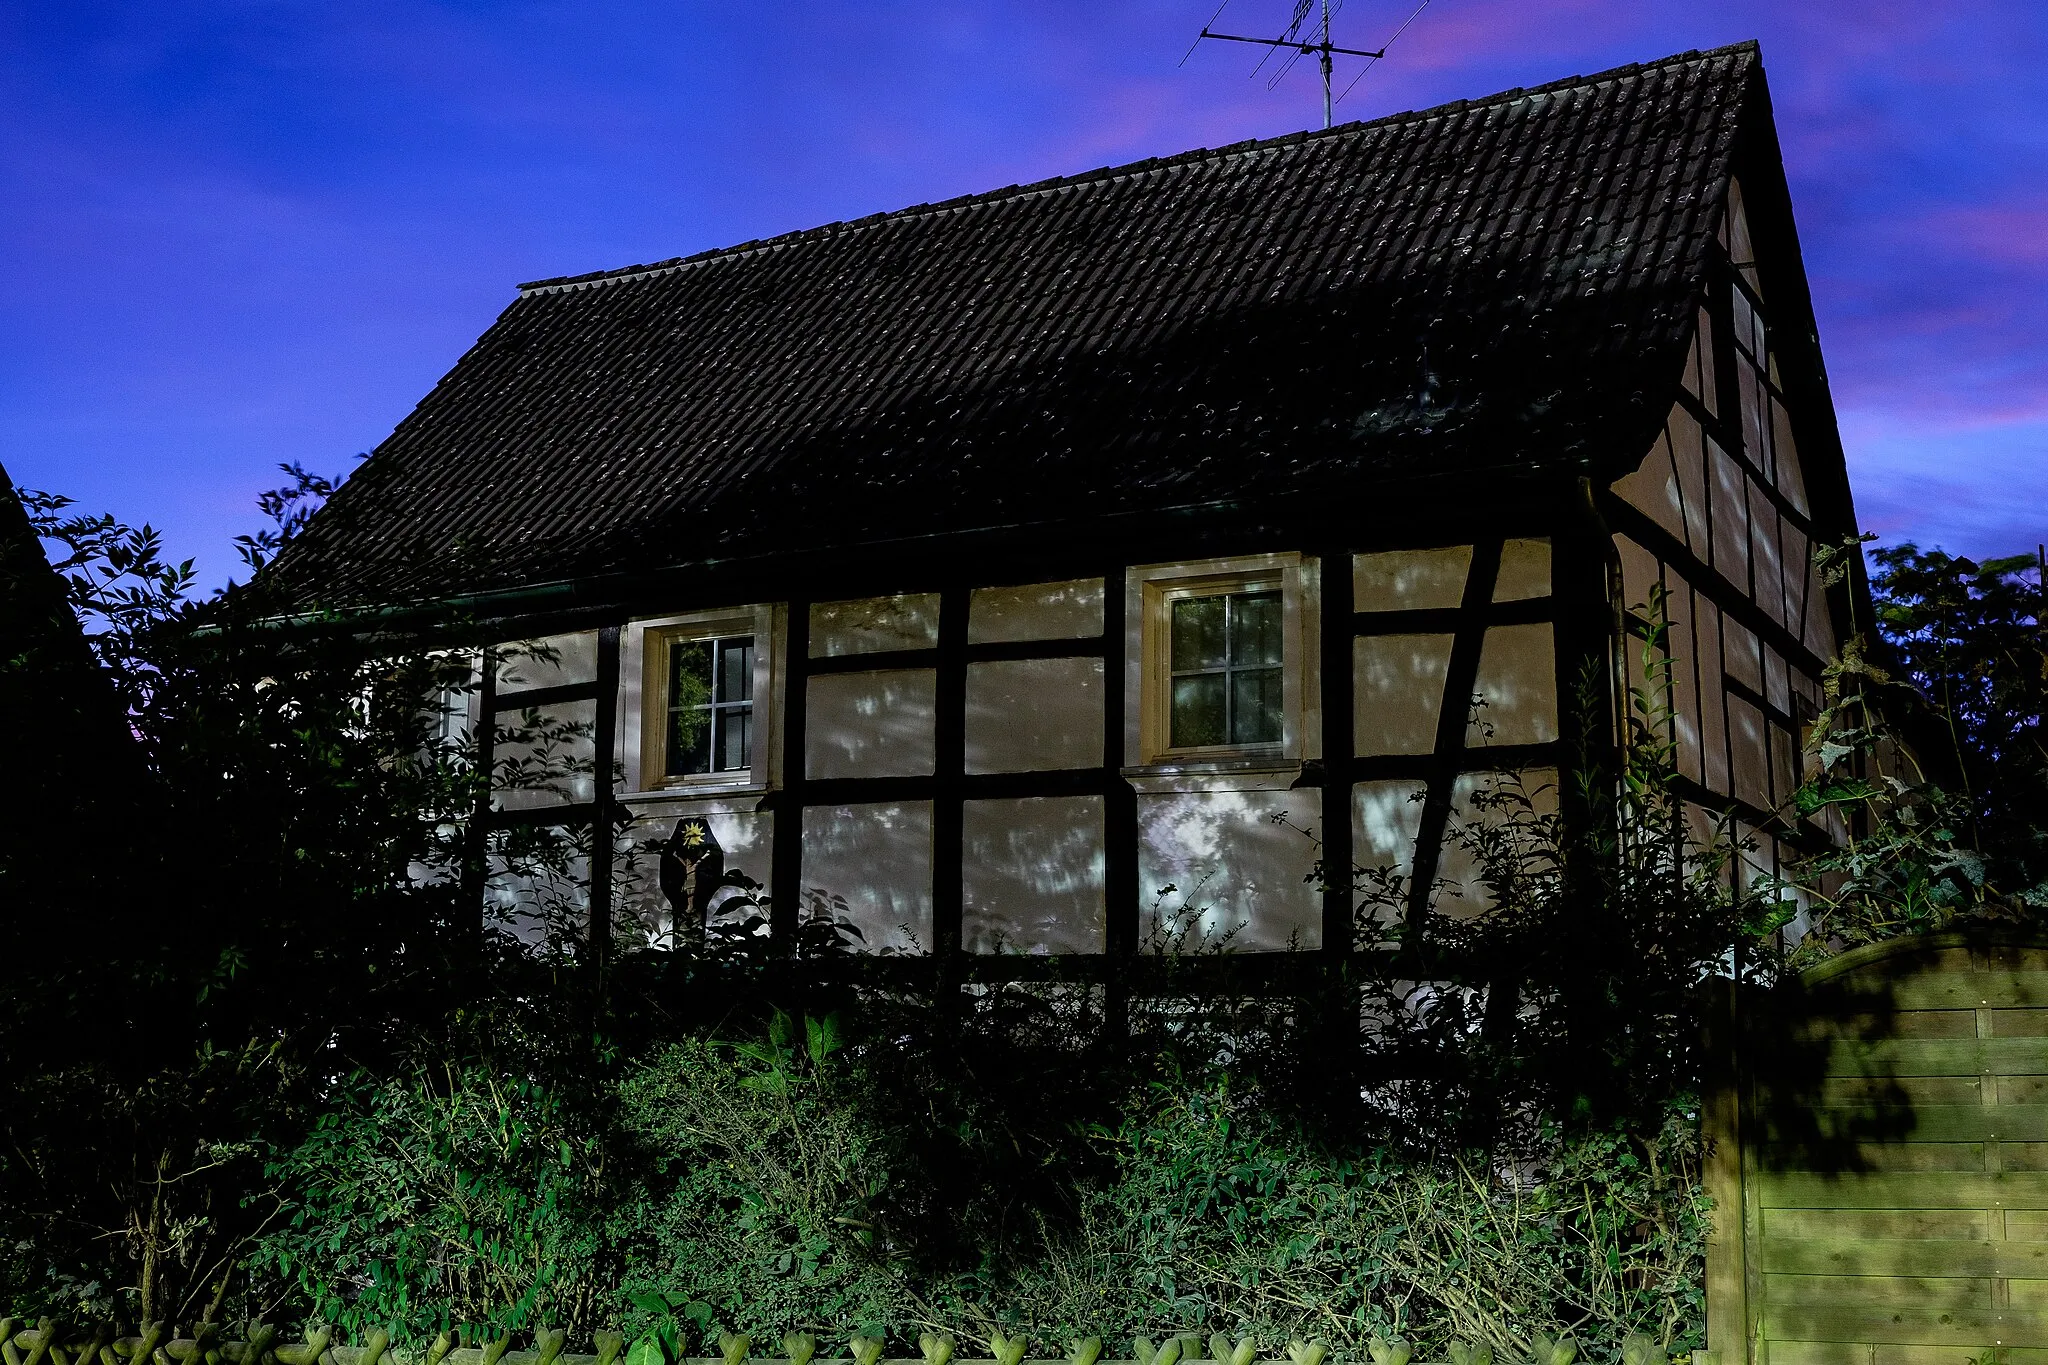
point(1329, 623)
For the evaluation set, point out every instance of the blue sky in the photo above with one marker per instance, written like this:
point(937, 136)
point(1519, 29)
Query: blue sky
point(251, 231)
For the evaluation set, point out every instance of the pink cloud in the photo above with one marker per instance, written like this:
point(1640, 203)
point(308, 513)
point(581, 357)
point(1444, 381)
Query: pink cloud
point(2009, 234)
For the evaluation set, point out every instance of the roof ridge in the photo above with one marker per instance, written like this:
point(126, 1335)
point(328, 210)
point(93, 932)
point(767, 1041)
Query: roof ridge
point(1248, 147)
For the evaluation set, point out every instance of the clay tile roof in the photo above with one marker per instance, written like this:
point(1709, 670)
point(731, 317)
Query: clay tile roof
point(1496, 282)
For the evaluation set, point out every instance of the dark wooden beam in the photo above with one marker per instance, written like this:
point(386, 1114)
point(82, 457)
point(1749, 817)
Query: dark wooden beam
point(476, 862)
point(605, 817)
point(948, 794)
point(1120, 890)
point(1451, 722)
point(785, 880)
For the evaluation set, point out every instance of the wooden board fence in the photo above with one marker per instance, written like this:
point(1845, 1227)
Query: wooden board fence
point(1880, 1161)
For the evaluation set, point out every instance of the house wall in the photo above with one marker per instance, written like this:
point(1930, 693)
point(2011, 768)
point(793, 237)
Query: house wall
point(980, 768)
point(1717, 521)
point(983, 766)
point(540, 698)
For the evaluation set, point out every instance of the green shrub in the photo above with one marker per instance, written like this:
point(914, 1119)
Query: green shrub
point(763, 1187)
point(438, 1198)
point(766, 1195)
point(1220, 1218)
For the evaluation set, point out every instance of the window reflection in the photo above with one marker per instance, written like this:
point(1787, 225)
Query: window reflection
point(710, 706)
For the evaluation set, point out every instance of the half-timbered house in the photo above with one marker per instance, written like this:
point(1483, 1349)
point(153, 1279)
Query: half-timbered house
point(994, 565)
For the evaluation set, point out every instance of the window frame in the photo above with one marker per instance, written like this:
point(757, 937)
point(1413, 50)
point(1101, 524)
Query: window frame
point(644, 676)
point(1228, 670)
point(717, 710)
point(1149, 717)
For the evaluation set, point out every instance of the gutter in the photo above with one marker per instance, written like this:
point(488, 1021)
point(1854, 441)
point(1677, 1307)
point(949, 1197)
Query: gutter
point(603, 588)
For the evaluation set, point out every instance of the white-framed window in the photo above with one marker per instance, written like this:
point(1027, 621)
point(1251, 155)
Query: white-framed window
point(1223, 671)
point(698, 700)
point(707, 706)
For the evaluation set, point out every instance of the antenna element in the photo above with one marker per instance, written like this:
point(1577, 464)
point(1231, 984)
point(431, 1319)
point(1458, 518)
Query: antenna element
point(1317, 42)
point(1318, 45)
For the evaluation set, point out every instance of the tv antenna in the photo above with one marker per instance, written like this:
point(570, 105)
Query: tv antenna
point(1303, 40)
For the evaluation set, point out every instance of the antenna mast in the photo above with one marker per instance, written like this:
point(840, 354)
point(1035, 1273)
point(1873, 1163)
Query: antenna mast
point(1319, 45)
point(1324, 47)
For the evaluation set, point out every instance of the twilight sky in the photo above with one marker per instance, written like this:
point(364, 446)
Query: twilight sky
point(248, 231)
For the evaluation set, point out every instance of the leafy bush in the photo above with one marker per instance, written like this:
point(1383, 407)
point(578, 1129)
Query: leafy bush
point(439, 1198)
point(1969, 638)
point(1930, 752)
point(767, 1199)
point(756, 1187)
point(230, 913)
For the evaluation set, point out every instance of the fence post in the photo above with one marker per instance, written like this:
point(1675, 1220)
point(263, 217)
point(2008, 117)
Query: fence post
point(1721, 1129)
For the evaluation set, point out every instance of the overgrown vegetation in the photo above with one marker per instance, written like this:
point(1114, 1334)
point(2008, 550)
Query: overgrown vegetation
point(1933, 752)
point(283, 1074)
point(203, 931)
point(760, 1188)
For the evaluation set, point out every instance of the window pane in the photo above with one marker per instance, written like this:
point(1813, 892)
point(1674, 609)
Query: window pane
point(689, 673)
point(689, 688)
point(689, 741)
point(735, 727)
point(736, 670)
point(1255, 628)
point(1198, 711)
point(1198, 633)
point(1255, 706)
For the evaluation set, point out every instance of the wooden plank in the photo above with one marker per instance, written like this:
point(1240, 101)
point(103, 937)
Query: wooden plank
point(1942, 1291)
point(1922, 1122)
point(1838, 1256)
point(1868, 1157)
point(1910, 1090)
point(1946, 991)
point(1953, 1225)
point(1940, 1057)
point(2018, 1023)
point(1885, 1353)
point(1918, 1255)
point(1880, 964)
point(1946, 1355)
point(1907, 1325)
point(1897, 1024)
point(1905, 1190)
point(1816, 1353)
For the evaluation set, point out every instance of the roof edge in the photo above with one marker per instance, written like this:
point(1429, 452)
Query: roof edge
point(1110, 174)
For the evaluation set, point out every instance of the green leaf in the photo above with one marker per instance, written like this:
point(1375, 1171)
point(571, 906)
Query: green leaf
point(822, 1036)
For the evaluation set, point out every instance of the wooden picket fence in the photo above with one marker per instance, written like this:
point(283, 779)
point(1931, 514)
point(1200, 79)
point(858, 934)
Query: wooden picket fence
point(52, 1343)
